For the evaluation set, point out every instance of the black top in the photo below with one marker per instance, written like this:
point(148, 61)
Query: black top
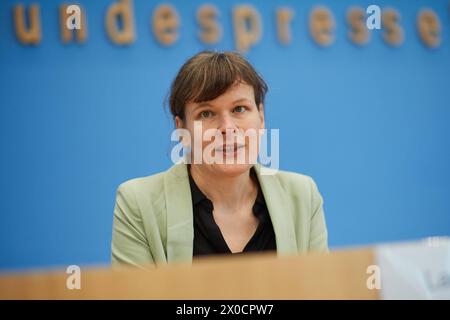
point(207, 236)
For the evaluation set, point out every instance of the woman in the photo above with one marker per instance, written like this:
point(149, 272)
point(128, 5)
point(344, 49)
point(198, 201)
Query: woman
point(216, 207)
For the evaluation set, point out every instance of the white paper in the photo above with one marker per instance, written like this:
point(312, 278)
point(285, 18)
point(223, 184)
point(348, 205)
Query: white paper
point(415, 270)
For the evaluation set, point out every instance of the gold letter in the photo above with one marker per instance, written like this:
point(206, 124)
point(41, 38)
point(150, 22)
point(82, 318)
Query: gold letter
point(244, 15)
point(358, 32)
point(120, 10)
point(321, 25)
point(66, 34)
point(429, 28)
point(33, 34)
point(394, 32)
point(206, 17)
point(165, 24)
point(284, 17)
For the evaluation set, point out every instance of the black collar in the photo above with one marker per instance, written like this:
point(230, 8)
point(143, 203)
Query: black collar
point(198, 196)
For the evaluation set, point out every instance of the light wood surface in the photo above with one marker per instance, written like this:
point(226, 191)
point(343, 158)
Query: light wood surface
point(338, 275)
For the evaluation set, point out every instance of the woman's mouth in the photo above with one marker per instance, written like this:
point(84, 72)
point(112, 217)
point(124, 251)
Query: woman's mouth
point(230, 150)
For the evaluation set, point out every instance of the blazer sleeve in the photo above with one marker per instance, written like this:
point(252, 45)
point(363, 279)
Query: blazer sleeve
point(129, 244)
point(318, 240)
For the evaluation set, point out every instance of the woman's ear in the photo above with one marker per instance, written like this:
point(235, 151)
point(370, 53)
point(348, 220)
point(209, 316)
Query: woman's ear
point(261, 116)
point(184, 136)
point(178, 122)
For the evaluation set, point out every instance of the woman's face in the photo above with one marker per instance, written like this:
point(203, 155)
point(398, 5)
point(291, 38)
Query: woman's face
point(229, 131)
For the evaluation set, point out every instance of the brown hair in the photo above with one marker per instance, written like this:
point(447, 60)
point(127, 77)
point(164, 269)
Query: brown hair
point(208, 75)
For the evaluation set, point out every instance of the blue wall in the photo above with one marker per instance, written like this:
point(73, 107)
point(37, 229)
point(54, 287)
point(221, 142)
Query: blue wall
point(370, 124)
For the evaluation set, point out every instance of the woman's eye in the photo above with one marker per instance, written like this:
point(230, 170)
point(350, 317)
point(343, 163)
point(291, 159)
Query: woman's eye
point(239, 109)
point(205, 114)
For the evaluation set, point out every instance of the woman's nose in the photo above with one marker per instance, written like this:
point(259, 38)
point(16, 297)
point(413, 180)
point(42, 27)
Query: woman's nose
point(227, 123)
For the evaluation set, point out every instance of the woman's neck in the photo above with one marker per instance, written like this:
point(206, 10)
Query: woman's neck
point(228, 192)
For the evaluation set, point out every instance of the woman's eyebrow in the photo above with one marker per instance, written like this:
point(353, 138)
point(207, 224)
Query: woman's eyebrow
point(202, 104)
point(207, 104)
point(241, 100)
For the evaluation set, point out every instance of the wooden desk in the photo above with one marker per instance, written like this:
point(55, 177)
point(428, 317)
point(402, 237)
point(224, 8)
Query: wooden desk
point(338, 275)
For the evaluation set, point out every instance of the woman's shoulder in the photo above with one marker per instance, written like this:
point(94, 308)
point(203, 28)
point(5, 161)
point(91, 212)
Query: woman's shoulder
point(153, 186)
point(150, 184)
point(290, 180)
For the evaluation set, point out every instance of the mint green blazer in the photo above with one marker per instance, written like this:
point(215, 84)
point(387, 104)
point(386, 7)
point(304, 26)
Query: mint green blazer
point(153, 216)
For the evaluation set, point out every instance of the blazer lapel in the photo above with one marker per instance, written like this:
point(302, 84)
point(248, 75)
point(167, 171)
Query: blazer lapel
point(280, 211)
point(180, 228)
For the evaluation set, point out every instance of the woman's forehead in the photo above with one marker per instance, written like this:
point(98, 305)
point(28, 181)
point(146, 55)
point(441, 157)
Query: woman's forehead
point(240, 92)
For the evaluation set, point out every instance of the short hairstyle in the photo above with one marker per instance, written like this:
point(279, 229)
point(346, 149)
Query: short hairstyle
point(208, 75)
